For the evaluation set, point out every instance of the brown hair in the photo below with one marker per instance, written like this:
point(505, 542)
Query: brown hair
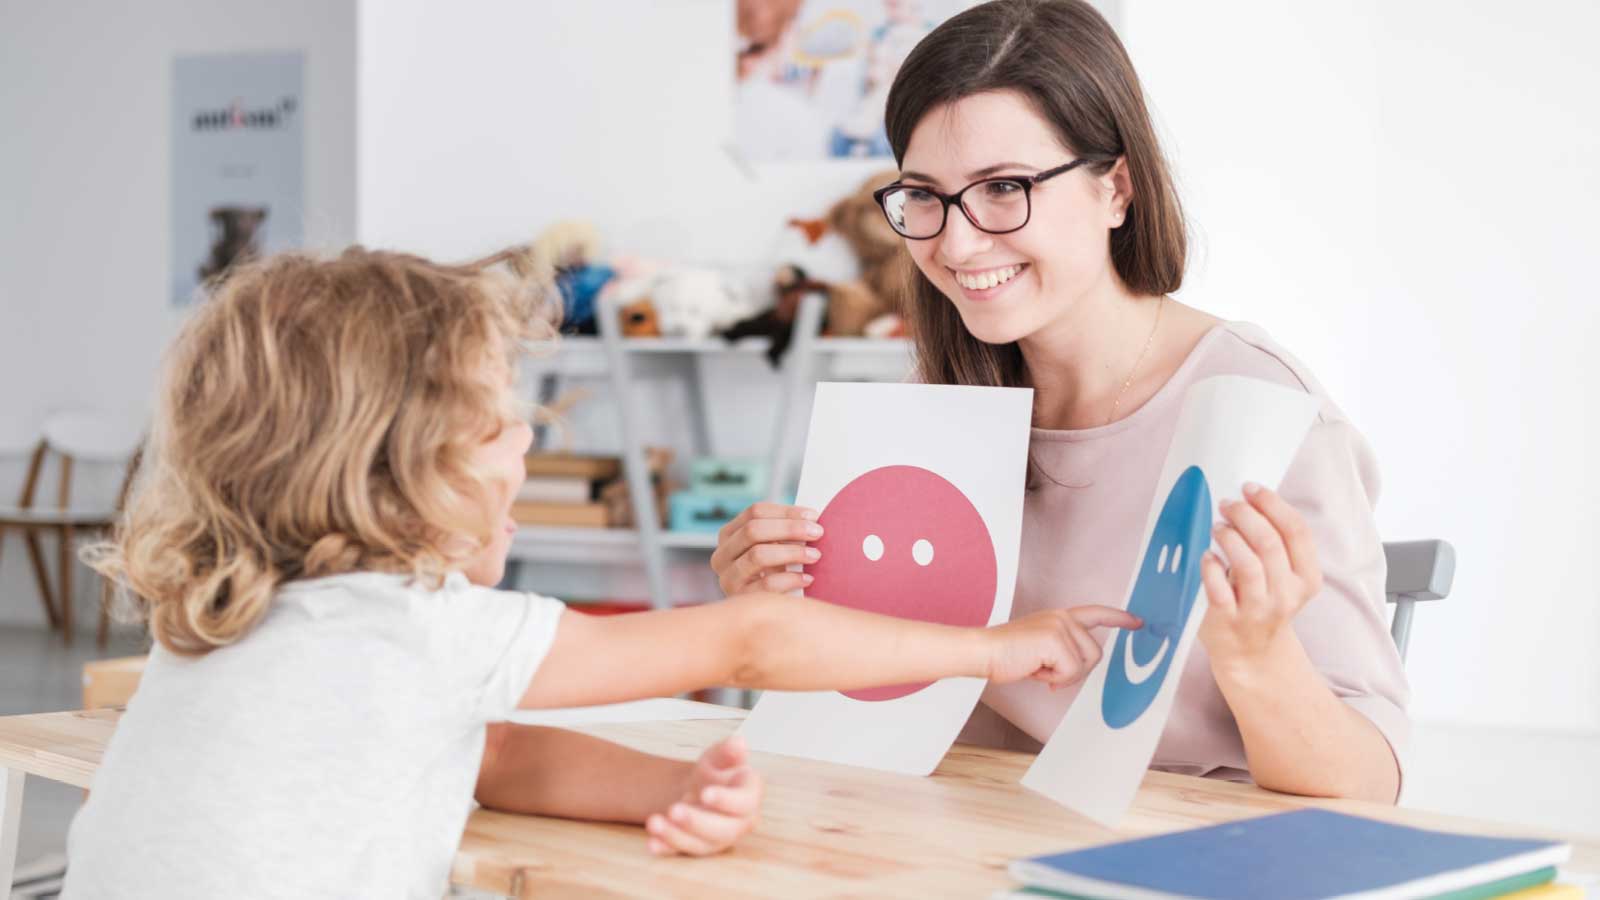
point(1065, 58)
point(316, 417)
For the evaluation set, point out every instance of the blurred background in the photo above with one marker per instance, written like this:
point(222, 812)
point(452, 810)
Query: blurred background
point(1401, 193)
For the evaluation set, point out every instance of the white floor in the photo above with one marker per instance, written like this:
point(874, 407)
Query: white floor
point(1549, 781)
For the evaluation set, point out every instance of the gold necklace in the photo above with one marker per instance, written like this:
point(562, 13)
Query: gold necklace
point(1160, 304)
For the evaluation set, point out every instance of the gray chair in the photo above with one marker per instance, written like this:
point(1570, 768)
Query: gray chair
point(1418, 570)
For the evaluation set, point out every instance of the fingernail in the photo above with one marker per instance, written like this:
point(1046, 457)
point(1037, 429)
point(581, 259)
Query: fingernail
point(679, 811)
point(807, 579)
point(708, 796)
point(813, 554)
point(653, 823)
point(814, 530)
point(1250, 488)
point(809, 514)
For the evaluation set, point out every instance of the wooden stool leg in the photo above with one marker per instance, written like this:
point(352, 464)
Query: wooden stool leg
point(64, 581)
point(41, 575)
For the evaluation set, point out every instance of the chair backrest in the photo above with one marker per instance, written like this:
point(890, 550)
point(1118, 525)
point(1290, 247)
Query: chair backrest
point(1418, 570)
point(92, 435)
point(80, 435)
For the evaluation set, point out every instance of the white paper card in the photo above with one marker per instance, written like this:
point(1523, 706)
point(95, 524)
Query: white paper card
point(1231, 430)
point(920, 491)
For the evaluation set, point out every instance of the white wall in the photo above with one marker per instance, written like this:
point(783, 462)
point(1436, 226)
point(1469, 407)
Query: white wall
point(1403, 194)
point(85, 188)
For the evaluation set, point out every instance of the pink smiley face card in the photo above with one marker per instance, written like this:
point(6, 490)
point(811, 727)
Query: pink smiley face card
point(919, 489)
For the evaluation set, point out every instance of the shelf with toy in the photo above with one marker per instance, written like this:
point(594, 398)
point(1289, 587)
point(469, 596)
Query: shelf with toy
point(822, 310)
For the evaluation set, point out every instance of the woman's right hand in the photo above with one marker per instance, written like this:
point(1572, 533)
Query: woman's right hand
point(755, 550)
point(1053, 645)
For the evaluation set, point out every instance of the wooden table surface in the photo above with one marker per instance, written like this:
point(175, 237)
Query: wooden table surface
point(826, 830)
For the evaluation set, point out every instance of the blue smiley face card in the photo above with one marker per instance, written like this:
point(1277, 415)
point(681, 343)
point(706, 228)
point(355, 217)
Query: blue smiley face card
point(1232, 430)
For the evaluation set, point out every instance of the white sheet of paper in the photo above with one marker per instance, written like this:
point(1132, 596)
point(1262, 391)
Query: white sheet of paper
point(660, 709)
point(920, 488)
point(1231, 430)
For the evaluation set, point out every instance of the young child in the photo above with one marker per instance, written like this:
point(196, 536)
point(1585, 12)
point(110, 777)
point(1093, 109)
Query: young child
point(324, 503)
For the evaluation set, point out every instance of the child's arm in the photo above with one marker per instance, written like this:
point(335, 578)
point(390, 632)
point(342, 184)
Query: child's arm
point(778, 642)
point(688, 807)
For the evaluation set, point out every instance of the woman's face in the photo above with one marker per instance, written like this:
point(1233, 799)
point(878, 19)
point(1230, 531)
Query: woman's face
point(1009, 286)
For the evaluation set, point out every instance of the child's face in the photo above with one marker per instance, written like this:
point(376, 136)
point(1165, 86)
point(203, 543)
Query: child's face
point(502, 457)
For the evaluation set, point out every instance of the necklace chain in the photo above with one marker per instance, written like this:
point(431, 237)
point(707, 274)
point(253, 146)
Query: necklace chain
point(1160, 304)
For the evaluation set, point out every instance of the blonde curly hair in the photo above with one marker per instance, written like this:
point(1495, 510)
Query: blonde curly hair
point(316, 416)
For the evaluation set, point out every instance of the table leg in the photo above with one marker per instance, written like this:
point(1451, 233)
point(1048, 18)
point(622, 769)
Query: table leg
point(10, 824)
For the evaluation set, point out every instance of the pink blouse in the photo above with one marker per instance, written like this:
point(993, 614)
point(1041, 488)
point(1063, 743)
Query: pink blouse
point(1089, 493)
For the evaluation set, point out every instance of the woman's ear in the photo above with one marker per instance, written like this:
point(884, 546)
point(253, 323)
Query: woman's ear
point(1119, 192)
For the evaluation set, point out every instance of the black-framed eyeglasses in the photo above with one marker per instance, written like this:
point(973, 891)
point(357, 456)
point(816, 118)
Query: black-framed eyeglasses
point(1001, 205)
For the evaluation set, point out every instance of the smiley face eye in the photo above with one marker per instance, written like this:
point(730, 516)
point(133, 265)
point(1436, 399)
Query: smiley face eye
point(872, 547)
point(1161, 562)
point(922, 552)
point(1177, 554)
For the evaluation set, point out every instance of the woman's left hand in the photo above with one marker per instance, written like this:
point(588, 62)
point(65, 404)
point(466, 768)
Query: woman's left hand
point(1271, 575)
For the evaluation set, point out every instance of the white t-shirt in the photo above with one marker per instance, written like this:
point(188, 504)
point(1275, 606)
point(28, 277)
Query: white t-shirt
point(332, 752)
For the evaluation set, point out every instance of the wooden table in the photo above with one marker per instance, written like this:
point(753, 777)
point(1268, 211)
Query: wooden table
point(826, 830)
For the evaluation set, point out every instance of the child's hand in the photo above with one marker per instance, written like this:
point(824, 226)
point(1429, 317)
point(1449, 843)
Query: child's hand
point(1052, 646)
point(721, 803)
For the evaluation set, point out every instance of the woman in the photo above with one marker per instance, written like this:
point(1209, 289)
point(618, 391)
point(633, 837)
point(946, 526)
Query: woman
point(1046, 236)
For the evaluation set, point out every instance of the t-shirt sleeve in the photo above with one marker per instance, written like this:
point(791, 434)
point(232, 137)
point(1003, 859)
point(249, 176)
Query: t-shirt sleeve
point(489, 643)
point(1333, 482)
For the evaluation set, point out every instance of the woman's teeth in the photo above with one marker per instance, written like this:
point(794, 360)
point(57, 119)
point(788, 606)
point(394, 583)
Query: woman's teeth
point(982, 281)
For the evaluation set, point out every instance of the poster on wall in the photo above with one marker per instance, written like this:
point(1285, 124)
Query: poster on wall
point(237, 163)
point(920, 521)
point(811, 76)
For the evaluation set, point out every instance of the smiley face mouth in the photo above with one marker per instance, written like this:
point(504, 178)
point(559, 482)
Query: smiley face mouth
point(1164, 595)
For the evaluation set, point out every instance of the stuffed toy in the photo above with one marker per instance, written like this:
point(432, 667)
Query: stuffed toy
point(570, 251)
point(863, 290)
point(689, 302)
point(880, 252)
point(639, 319)
point(791, 284)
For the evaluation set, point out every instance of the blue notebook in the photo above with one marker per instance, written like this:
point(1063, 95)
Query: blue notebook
point(1309, 854)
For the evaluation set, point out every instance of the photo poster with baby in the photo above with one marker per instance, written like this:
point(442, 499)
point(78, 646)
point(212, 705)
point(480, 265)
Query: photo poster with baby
point(1231, 430)
point(919, 490)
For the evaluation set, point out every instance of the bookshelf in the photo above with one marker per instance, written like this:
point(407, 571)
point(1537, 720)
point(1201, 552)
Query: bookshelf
point(623, 362)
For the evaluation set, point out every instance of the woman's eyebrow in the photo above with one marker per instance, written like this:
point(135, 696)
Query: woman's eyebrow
point(984, 172)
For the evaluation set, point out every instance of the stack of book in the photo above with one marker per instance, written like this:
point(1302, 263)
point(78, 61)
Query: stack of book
point(1312, 854)
point(564, 489)
point(583, 490)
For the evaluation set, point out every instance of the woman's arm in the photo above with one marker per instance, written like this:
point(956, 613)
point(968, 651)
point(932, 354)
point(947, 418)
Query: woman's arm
point(777, 642)
point(1299, 737)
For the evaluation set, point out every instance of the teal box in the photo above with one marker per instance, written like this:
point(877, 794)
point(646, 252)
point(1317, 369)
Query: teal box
point(710, 475)
point(707, 512)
